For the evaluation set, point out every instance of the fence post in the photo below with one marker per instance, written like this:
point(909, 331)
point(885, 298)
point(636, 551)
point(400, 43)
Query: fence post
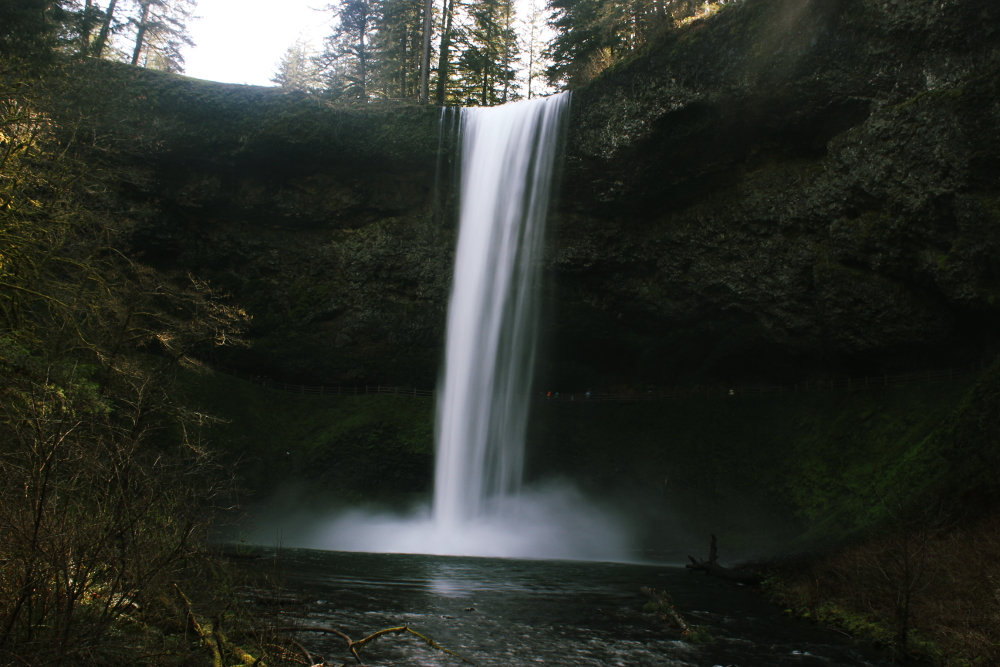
point(302, 389)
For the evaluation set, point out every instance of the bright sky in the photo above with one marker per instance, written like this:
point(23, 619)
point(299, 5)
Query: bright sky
point(242, 41)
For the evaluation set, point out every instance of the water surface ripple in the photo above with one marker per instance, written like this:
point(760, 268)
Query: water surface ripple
point(519, 612)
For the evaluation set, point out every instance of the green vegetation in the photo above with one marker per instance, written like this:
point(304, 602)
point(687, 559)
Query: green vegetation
point(887, 494)
point(595, 35)
point(742, 466)
point(661, 604)
point(343, 447)
point(107, 493)
point(923, 587)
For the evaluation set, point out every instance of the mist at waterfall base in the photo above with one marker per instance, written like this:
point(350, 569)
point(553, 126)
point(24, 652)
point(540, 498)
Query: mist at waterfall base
point(550, 520)
point(481, 506)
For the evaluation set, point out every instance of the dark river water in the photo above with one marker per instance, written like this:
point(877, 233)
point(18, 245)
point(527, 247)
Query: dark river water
point(515, 613)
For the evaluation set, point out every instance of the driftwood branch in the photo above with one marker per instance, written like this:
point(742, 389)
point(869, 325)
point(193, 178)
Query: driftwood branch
point(355, 646)
point(664, 610)
point(712, 567)
point(330, 631)
point(206, 637)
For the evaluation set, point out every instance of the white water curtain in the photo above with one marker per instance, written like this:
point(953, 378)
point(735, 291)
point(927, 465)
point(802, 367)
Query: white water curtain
point(508, 153)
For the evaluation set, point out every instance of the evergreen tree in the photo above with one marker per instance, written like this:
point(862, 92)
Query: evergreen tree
point(425, 51)
point(592, 34)
point(486, 64)
point(587, 35)
point(399, 38)
point(109, 26)
point(298, 69)
point(444, 53)
point(535, 63)
point(348, 61)
point(36, 31)
point(160, 33)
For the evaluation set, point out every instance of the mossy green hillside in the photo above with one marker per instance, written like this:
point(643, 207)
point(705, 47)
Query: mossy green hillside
point(773, 471)
point(764, 473)
point(168, 116)
point(341, 447)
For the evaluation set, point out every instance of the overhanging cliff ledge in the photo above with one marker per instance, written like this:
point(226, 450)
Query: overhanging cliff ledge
point(787, 185)
point(786, 189)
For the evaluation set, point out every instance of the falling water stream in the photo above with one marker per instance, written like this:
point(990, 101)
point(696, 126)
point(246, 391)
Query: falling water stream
point(481, 506)
point(508, 154)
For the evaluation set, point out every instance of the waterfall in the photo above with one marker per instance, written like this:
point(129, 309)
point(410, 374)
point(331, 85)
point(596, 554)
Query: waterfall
point(507, 159)
point(479, 506)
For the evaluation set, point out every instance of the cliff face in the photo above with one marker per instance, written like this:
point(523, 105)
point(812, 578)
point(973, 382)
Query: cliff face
point(780, 190)
point(808, 182)
point(318, 219)
point(786, 191)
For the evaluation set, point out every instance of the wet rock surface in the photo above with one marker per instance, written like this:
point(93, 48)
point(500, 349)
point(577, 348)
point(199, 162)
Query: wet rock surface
point(787, 184)
point(787, 188)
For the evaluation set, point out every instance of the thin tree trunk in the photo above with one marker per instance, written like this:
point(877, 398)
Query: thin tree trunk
point(85, 28)
point(442, 82)
point(403, 62)
point(363, 58)
point(506, 52)
point(363, 67)
point(425, 59)
point(531, 47)
point(102, 37)
point(140, 33)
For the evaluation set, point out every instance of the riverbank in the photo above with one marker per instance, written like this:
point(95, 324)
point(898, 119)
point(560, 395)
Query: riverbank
point(924, 591)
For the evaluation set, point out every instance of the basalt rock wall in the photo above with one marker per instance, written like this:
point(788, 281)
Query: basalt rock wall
point(786, 189)
point(317, 218)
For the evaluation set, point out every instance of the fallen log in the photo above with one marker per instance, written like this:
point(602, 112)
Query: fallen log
point(663, 607)
point(712, 567)
point(355, 646)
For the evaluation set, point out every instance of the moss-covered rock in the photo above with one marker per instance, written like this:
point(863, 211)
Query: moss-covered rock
point(781, 190)
point(336, 448)
point(785, 185)
point(786, 190)
point(776, 472)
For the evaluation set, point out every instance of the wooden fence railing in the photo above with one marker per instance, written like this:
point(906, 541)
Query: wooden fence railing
point(631, 396)
point(327, 390)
